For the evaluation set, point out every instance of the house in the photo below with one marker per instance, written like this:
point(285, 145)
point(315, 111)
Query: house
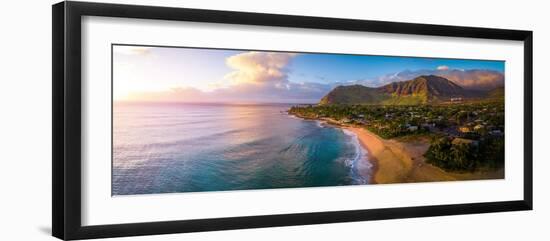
point(496, 132)
point(427, 125)
point(465, 129)
point(345, 121)
point(458, 141)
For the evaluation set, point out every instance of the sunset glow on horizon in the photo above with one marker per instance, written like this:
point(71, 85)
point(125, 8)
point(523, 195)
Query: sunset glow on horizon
point(169, 74)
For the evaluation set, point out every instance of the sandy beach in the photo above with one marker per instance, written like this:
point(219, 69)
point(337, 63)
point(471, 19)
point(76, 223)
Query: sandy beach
point(401, 160)
point(398, 161)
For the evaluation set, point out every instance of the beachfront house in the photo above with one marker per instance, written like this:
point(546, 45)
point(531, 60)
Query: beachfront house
point(479, 127)
point(496, 132)
point(458, 141)
point(427, 125)
point(413, 128)
point(465, 129)
point(345, 121)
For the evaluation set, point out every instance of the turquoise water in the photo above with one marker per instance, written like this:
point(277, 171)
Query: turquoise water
point(167, 148)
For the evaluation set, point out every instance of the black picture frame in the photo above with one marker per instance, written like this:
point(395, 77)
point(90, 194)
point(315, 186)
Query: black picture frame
point(66, 127)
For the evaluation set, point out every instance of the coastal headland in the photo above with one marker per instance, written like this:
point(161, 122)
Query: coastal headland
point(401, 160)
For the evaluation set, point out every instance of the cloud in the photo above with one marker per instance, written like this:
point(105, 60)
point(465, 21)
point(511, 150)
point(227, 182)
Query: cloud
point(476, 79)
point(172, 95)
point(259, 68)
point(264, 76)
point(131, 50)
point(307, 92)
point(480, 79)
point(257, 77)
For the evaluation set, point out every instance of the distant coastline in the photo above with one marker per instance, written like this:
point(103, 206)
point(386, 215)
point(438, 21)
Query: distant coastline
point(399, 160)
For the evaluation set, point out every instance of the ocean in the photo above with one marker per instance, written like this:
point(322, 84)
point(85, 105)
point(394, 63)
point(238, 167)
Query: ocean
point(175, 147)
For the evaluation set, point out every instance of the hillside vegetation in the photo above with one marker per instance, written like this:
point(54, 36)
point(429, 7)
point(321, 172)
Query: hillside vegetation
point(426, 89)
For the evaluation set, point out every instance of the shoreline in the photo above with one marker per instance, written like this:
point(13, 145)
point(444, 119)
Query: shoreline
point(366, 166)
point(391, 167)
point(400, 161)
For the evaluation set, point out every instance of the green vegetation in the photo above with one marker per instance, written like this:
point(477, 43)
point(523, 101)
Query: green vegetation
point(354, 94)
point(496, 94)
point(428, 89)
point(487, 153)
point(467, 136)
point(406, 100)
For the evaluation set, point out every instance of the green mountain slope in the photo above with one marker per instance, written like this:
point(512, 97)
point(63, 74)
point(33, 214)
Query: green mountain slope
point(353, 94)
point(420, 90)
point(497, 93)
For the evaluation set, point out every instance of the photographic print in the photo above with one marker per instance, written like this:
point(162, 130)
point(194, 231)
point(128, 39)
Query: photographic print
point(202, 119)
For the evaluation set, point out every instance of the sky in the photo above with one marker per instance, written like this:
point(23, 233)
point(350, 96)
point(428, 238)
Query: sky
point(219, 75)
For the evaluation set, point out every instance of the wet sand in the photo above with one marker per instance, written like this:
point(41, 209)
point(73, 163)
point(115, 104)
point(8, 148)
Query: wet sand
point(401, 161)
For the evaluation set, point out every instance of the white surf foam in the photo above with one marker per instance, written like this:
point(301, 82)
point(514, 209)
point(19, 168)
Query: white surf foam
point(319, 124)
point(360, 166)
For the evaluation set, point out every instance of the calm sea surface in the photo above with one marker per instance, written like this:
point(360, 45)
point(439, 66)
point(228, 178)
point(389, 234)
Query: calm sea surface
point(166, 148)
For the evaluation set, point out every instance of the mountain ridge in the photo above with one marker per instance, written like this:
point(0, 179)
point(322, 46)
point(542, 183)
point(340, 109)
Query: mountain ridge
point(423, 89)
